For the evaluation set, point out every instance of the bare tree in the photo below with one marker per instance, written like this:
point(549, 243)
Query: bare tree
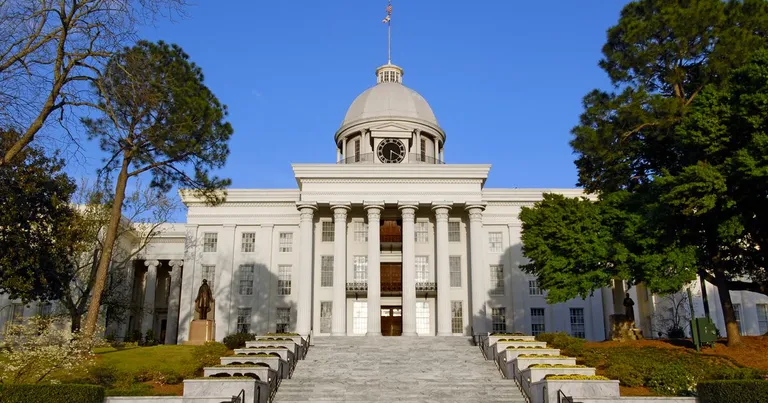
point(50, 50)
point(673, 314)
point(145, 210)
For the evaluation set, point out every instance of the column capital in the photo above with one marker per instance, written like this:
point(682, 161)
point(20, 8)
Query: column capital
point(441, 210)
point(306, 205)
point(377, 204)
point(408, 205)
point(152, 263)
point(176, 263)
point(475, 206)
point(341, 205)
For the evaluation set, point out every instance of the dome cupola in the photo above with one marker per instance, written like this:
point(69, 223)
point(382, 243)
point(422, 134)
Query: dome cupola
point(390, 123)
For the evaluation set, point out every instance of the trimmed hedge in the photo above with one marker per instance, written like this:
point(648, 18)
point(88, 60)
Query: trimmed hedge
point(740, 390)
point(67, 393)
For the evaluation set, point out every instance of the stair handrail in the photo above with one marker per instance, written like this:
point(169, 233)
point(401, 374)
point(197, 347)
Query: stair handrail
point(519, 382)
point(240, 398)
point(562, 398)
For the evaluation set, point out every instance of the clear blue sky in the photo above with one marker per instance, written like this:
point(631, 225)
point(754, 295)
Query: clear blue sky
point(505, 78)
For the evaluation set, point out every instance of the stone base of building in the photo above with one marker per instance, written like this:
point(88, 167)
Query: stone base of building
point(201, 331)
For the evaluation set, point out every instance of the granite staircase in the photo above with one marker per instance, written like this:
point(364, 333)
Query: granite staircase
point(396, 369)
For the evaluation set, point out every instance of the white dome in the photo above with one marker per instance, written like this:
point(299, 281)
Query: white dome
point(389, 100)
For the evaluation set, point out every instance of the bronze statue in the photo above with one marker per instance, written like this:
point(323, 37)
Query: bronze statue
point(629, 311)
point(204, 300)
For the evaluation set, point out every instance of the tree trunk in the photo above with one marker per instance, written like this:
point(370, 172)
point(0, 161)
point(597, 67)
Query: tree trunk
point(76, 318)
point(106, 254)
point(731, 326)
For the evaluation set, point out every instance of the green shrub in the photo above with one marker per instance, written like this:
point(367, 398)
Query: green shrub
point(747, 391)
point(725, 373)
point(207, 355)
point(567, 344)
point(67, 393)
point(626, 374)
point(237, 340)
point(671, 380)
point(134, 389)
point(103, 375)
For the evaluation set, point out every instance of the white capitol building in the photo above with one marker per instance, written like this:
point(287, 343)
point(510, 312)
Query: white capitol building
point(391, 240)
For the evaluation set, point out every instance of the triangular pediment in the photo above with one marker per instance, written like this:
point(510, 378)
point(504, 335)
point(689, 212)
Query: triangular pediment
point(391, 127)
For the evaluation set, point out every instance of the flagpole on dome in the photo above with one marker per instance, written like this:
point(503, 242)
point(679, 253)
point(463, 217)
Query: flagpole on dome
point(388, 20)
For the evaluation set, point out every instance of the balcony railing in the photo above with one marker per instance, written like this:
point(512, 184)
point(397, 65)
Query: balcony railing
point(357, 286)
point(371, 158)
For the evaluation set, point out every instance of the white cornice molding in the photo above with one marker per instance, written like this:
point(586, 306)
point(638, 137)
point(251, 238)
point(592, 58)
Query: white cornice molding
point(366, 172)
point(236, 196)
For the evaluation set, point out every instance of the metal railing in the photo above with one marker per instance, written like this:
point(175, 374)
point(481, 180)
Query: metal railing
point(519, 381)
point(371, 158)
point(426, 286)
point(240, 398)
point(562, 398)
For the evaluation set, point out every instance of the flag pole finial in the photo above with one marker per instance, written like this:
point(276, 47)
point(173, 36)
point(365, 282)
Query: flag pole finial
point(388, 20)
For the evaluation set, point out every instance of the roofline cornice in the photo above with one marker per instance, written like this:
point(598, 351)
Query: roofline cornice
point(364, 124)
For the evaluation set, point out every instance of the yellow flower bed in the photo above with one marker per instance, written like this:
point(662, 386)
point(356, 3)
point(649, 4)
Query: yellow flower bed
point(549, 357)
point(575, 377)
point(556, 366)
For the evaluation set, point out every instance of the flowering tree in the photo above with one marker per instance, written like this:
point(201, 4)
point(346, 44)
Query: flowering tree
point(37, 348)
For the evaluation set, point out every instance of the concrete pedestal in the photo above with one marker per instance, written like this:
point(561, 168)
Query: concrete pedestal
point(201, 331)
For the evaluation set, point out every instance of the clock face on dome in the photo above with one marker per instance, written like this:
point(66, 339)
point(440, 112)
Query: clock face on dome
point(391, 151)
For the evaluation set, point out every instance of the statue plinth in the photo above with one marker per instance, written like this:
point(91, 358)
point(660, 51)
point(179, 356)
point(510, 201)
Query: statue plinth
point(201, 331)
point(623, 328)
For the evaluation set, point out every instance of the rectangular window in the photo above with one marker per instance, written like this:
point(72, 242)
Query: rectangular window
point(495, 242)
point(422, 269)
point(537, 321)
point(283, 320)
point(46, 309)
point(328, 231)
point(457, 317)
point(499, 320)
point(423, 150)
point(422, 318)
point(246, 279)
point(286, 242)
point(762, 318)
point(422, 232)
point(248, 244)
point(209, 273)
point(454, 231)
point(326, 271)
point(326, 310)
point(17, 313)
point(359, 317)
point(577, 323)
point(533, 287)
point(361, 268)
point(284, 279)
point(243, 320)
point(209, 241)
point(361, 231)
point(497, 279)
point(357, 150)
point(454, 263)
point(737, 313)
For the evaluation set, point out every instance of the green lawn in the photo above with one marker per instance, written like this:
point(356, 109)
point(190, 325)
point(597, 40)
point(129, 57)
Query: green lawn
point(155, 358)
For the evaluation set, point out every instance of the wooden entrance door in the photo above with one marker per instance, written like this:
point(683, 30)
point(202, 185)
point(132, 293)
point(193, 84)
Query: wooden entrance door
point(391, 277)
point(391, 320)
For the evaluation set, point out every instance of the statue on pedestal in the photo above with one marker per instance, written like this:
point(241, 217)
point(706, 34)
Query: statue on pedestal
point(629, 311)
point(204, 300)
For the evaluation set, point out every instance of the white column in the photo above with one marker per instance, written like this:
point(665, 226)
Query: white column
point(186, 309)
point(418, 144)
point(477, 267)
point(344, 149)
point(149, 296)
point(437, 148)
point(304, 285)
point(443, 271)
point(339, 314)
point(171, 330)
point(408, 211)
point(338, 155)
point(374, 268)
point(226, 312)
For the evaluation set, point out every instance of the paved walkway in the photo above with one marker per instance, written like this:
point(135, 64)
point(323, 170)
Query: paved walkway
point(396, 369)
